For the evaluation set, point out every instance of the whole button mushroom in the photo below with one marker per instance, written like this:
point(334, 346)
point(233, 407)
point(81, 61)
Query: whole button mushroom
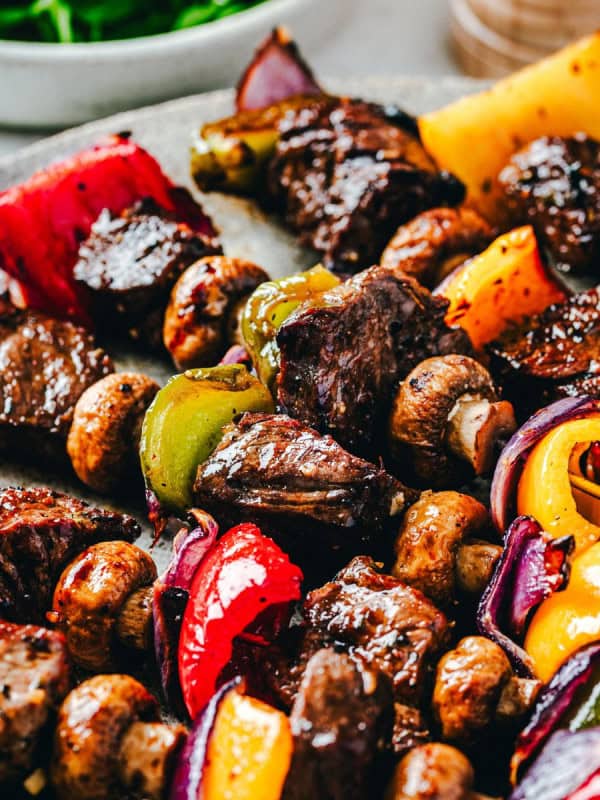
point(437, 549)
point(104, 438)
point(109, 743)
point(435, 242)
point(103, 599)
point(447, 414)
point(475, 687)
point(202, 318)
point(433, 771)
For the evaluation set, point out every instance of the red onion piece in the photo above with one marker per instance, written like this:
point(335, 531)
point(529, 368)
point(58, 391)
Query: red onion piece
point(532, 566)
point(237, 355)
point(554, 702)
point(277, 72)
point(170, 598)
point(566, 769)
point(513, 456)
point(189, 770)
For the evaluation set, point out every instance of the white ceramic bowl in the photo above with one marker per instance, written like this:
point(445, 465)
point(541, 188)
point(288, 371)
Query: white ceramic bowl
point(52, 85)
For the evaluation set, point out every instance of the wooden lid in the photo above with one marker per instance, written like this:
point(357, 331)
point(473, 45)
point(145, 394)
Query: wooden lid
point(494, 37)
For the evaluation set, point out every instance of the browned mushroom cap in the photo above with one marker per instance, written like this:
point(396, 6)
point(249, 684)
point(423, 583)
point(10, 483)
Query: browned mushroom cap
point(433, 531)
point(432, 244)
point(202, 316)
point(98, 595)
point(104, 438)
point(147, 759)
point(448, 414)
point(475, 687)
point(91, 724)
point(432, 772)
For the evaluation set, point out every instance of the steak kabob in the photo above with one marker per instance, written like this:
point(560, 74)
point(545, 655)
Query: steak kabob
point(342, 692)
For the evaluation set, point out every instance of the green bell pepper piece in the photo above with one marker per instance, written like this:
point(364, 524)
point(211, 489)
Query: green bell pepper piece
point(267, 309)
point(184, 424)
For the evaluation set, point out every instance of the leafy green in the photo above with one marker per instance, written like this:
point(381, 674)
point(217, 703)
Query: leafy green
point(66, 21)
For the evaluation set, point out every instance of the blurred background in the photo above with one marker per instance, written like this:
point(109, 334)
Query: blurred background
point(343, 38)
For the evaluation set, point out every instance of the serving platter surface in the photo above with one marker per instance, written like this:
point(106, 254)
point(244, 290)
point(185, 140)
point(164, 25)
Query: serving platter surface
point(166, 131)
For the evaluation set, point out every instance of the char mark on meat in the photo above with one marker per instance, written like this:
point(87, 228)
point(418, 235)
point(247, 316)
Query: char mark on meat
point(34, 677)
point(45, 366)
point(554, 184)
point(40, 532)
point(554, 354)
point(304, 488)
point(347, 173)
point(343, 355)
point(341, 718)
point(131, 261)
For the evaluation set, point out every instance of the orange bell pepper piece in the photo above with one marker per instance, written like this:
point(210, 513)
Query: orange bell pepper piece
point(569, 619)
point(502, 286)
point(249, 751)
point(544, 491)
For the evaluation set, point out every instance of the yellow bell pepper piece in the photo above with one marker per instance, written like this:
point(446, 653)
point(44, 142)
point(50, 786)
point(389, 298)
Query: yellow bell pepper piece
point(249, 751)
point(474, 137)
point(569, 619)
point(500, 287)
point(544, 490)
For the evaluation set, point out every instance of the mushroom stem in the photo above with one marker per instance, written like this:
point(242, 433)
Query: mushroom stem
point(475, 425)
point(517, 697)
point(147, 756)
point(475, 562)
point(134, 623)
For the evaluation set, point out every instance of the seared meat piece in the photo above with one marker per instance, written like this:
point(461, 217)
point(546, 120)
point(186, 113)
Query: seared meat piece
point(432, 244)
point(554, 354)
point(40, 531)
point(554, 184)
point(343, 354)
point(382, 622)
point(410, 729)
point(34, 677)
point(131, 261)
point(341, 718)
point(272, 470)
point(347, 173)
point(45, 366)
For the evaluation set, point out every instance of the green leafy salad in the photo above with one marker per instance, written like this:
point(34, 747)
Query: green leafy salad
point(100, 20)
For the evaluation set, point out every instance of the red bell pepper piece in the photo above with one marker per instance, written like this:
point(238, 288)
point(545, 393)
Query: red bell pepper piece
point(242, 577)
point(44, 219)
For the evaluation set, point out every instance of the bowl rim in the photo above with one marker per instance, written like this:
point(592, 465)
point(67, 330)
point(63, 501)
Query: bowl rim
point(242, 20)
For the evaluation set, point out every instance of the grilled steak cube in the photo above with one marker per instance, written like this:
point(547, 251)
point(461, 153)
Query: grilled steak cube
point(552, 355)
point(347, 173)
point(554, 184)
point(272, 470)
point(34, 677)
point(343, 354)
point(383, 624)
point(40, 532)
point(45, 366)
point(131, 261)
point(341, 718)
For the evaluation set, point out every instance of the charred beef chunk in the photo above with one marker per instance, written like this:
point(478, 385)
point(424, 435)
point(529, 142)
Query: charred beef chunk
point(554, 184)
point(284, 476)
point(347, 173)
point(45, 366)
point(383, 624)
point(40, 532)
point(341, 719)
point(34, 677)
point(131, 261)
point(343, 355)
point(552, 355)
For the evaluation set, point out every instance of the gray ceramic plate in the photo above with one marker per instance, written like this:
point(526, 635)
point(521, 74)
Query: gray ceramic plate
point(166, 131)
